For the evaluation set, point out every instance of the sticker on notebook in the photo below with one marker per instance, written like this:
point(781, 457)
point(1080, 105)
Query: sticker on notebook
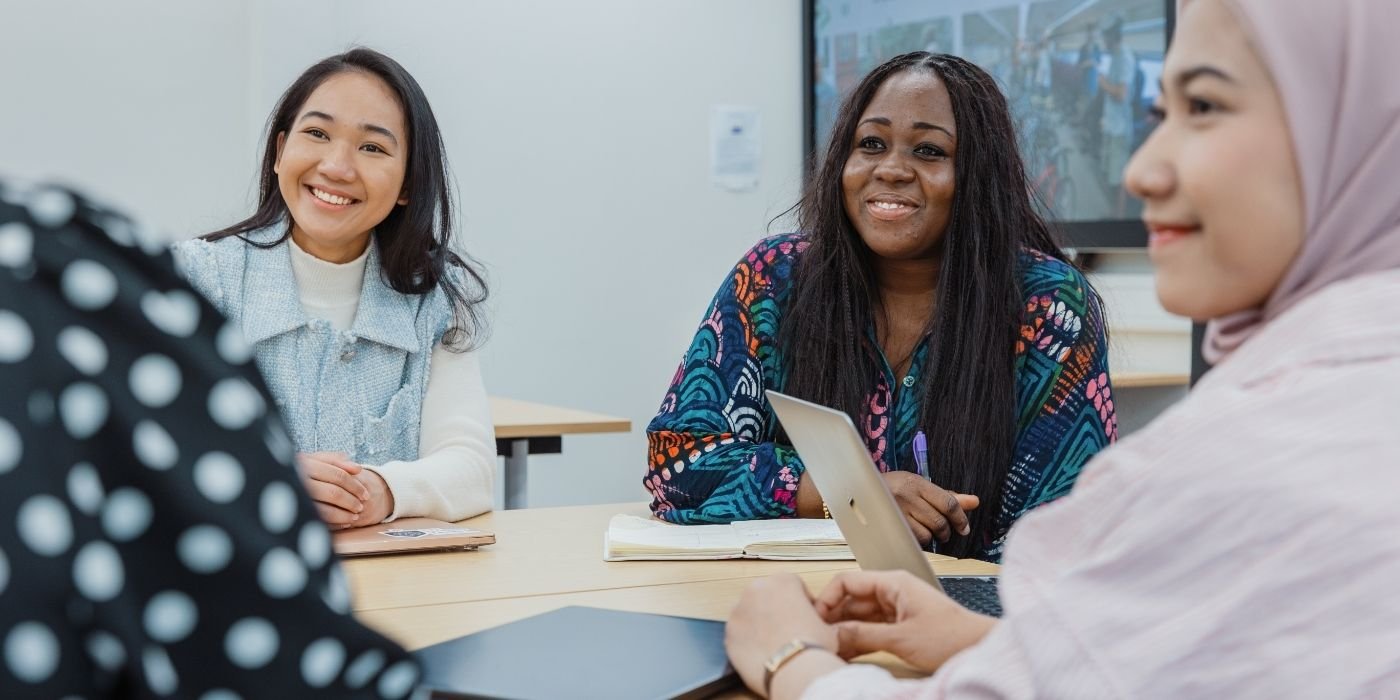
point(429, 532)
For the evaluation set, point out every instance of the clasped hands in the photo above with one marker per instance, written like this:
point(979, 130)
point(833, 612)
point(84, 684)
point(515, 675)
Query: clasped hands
point(857, 613)
point(346, 494)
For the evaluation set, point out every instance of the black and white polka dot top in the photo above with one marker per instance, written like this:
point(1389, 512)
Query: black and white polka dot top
point(154, 540)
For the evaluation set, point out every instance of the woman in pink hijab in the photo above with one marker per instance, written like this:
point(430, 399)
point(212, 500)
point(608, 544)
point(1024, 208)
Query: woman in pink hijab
point(1247, 543)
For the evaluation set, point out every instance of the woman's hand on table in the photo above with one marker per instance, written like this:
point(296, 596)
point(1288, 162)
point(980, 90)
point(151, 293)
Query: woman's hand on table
point(896, 612)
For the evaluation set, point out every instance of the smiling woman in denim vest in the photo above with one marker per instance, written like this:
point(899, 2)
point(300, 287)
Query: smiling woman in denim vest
point(345, 284)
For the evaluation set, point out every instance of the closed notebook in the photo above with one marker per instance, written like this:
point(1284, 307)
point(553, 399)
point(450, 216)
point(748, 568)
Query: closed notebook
point(408, 535)
point(631, 538)
point(580, 652)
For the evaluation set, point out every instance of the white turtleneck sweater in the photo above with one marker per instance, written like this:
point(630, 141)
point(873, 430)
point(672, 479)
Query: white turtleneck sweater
point(454, 475)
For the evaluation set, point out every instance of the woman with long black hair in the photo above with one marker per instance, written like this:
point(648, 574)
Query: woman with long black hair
point(925, 297)
point(345, 284)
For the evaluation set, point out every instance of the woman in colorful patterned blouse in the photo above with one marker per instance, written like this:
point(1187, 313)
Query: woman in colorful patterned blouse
point(919, 296)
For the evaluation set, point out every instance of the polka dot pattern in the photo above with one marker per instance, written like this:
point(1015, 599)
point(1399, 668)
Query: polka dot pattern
point(321, 662)
point(218, 476)
point(98, 573)
point(119, 230)
point(234, 405)
point(83, 408)
point(279, 444)
point(314, 544)
point(337, 593)
point(204, 549)
point(363, 669)
point(11, 446)
point(232, 346)
point(16, 338)
point(52, 207)
point(277, 507)
point(281, 574)
point(155, 380)
point(176, 312)
point(16, 245)
point(160, 674)
point(45, 525)
point(85, 488)
point(170, 617)
point(144, 516)
point(31, 652)
point(154, 446)
point(151, 241)
point(83, 349)
point(127, 514)
point(89, 285)
point(251, 643)
point(398, 680)
point(106, 651)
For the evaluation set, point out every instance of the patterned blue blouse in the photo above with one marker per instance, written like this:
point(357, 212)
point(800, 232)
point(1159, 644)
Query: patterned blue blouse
point(713, 458)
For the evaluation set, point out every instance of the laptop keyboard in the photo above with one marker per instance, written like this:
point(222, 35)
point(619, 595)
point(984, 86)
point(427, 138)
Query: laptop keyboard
point(976, 593)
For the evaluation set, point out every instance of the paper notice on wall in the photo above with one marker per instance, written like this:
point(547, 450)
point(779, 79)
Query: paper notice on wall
point(735, 147)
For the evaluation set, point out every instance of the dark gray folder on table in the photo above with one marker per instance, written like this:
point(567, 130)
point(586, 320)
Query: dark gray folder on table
point(579, 652)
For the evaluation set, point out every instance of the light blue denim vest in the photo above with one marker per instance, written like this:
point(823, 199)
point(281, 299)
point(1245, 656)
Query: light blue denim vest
point(358, 391)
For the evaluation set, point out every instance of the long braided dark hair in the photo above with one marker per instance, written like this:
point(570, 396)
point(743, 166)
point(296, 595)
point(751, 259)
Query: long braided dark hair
point(968, 408)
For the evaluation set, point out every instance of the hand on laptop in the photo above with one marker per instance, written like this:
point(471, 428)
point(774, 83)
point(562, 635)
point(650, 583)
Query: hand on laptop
point(930, 510)
point(894, 611)
point(330, 479)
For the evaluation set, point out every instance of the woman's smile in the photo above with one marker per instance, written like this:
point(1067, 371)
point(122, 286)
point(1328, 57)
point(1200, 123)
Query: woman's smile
point(331, 199)
point(890, 207)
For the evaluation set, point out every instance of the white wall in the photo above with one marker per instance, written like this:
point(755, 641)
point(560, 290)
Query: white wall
point(141, 102)
point(577, 132)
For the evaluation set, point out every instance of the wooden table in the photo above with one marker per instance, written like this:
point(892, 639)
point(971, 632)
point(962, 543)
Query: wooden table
point(548, 558)
point(524, 428)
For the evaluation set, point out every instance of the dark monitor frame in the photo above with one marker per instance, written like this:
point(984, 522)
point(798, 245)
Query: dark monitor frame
point(1082, 235)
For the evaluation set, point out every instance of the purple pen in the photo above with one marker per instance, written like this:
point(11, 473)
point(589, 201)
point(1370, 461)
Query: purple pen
point(921, 453)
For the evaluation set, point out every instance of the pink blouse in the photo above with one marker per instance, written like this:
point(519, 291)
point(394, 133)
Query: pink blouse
point(1245, 544)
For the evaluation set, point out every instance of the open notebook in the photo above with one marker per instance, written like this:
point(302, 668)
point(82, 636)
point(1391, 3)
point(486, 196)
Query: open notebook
point(632, 538)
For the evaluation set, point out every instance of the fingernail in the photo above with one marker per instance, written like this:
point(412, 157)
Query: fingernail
point(355, 517)
point(966, 529)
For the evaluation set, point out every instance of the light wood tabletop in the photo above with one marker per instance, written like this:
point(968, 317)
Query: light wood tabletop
point(540, 551)
point(515, 419)
point(419, 626)
point(547, 558)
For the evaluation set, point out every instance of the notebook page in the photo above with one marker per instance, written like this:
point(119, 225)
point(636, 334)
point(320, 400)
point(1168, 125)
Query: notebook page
point(787, 531)
point(630, 535)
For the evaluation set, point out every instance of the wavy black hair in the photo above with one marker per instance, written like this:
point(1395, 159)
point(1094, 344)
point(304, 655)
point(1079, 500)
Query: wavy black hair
point(968, 408)
point(414, 239)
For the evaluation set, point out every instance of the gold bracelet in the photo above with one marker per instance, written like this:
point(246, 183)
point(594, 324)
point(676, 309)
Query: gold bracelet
point(826, 512)
point(780, 658)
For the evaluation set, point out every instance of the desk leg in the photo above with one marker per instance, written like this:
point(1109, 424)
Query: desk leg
point(517, 473)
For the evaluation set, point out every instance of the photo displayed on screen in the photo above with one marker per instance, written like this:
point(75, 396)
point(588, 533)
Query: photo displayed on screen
point(1080, 76)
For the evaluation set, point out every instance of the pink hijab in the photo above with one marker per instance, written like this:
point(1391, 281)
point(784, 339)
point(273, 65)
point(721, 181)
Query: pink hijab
point(1335, 63)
